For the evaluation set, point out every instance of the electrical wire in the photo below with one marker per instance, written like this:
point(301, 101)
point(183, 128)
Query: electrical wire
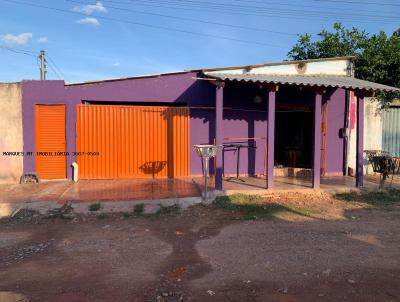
point(359, 2)
point(189, 19)
point(54, 70)
point(20, 51)
point(51, 61)
point(302, 5)
point(165, 28)
point(256, 10)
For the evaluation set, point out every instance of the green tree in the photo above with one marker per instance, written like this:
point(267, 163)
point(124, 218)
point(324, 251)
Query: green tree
point(377, 55)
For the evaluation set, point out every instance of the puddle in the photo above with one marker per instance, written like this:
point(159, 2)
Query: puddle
point(12, 297)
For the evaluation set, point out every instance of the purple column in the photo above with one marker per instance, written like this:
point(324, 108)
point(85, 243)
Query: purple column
point(219, 107)
point(360, 142)
point(316, 180)
point(271, 138)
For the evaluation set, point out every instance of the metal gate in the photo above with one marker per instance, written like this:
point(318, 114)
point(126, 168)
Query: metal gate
point(391, 131)
point(51, 162)
point(132, 141)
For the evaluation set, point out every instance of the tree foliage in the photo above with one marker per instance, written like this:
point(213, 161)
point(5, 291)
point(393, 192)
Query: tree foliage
point(377, 55)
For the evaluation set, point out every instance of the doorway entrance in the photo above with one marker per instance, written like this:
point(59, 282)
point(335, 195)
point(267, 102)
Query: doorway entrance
point(293, 139)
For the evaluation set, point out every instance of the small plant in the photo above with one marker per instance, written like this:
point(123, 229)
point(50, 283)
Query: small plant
point(138, 209)
point(376, 198)
point(127, 214)
point(253, 207)
point(169, 210)
point(94, 207)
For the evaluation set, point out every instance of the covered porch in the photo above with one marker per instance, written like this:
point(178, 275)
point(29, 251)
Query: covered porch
point(312, 94)
point(167, 189)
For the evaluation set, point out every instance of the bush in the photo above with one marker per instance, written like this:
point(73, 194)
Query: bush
point(95, 207)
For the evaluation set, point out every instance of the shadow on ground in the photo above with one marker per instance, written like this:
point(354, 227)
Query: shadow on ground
point(235, 250)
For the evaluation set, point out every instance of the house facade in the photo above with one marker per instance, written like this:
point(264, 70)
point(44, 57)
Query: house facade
point(288, 115)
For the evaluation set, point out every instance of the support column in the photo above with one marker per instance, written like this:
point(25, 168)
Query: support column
point(316, 179)
point(219, 107)
point(360, 142)
point(271, 138)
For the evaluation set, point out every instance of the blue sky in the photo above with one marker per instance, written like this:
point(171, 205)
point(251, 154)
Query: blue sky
point(90, 40)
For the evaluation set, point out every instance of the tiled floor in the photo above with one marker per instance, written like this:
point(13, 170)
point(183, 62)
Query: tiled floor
point(100, 190)
point(328, 184)
point(148, 189)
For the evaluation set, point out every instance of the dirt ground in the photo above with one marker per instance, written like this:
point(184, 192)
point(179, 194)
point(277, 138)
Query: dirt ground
point(311, 248)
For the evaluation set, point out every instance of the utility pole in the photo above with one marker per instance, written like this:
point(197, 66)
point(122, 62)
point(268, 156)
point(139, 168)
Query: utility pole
point(42, 58)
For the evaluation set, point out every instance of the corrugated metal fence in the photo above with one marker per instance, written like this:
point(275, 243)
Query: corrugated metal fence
point(132, 141)
point(391, 131)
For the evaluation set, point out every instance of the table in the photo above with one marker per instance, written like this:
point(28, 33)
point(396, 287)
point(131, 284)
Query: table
point(236, 147)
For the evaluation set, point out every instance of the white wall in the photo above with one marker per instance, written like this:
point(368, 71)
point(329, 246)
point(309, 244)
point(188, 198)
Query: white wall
point(372, 133)
point(338, 67)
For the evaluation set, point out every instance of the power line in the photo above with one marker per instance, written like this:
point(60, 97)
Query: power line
point(253, 10)
point(51, 61)
point(19, 51)
point(302, 5)
point(146, 25)
point(55, 72)
point(359, 2)
point(52, 64)
point(190, 19)
point(211, 22)
point(258, 13)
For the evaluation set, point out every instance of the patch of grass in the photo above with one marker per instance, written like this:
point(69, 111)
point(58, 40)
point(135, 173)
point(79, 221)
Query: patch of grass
point(376, 198)
point(252, 207)
point(232, 202)
point(169, 210)
point(138, 209)
point(304, 211)
point(126, 214)
point(95, 207)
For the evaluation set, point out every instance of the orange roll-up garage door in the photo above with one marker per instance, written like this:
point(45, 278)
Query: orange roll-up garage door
point(132, 141)
point(51, 163)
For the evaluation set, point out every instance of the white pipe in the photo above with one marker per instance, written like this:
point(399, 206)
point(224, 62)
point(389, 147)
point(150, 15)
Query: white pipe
point(75, 176)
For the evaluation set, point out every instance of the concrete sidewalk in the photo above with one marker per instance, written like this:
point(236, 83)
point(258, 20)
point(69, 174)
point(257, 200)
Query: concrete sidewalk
point(122, 195)
point(115, 195)
point(99, 190)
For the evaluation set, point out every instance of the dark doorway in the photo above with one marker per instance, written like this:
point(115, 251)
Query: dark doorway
point(293, 140)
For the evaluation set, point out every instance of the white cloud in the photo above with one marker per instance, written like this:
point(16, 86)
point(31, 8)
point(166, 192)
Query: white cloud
point(90, 8)
point(116, 64)
point(89, 21)
point(43, 40)
point(21, 39)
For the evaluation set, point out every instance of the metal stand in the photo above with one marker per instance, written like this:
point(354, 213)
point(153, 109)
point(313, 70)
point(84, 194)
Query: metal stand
point(206, 161)
point(206, 152)
point(236, 148)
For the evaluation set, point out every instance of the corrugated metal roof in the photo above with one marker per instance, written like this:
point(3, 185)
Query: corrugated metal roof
point(312, 81)
point(251, 66)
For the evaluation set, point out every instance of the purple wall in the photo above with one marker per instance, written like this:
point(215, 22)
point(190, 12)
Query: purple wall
point(38, 92)
point(237, 125)
point(182, 88)
point(336, 120)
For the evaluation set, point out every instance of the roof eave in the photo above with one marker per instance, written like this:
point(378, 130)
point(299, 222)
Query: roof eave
point(352, 87)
